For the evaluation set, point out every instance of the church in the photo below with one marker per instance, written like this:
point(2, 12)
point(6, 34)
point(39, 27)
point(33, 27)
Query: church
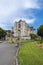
point(22, 30)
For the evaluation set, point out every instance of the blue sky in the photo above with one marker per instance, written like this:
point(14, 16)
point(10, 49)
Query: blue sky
point(13, 10)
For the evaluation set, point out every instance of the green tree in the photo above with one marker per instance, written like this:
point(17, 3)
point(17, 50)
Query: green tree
point(40, 31)
point(2, 33)
point(34, 37)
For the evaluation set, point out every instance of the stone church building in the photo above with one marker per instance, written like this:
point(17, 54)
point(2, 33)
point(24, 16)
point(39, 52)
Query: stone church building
point(22, 30)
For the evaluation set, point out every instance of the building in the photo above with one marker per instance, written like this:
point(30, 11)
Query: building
point(8, 35)
point(22, 30)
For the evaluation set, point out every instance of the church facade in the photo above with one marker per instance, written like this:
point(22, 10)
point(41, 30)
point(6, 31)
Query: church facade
point(22, 30)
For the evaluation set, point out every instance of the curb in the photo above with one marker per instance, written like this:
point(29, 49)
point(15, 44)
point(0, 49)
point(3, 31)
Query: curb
point(17, 57)
point(16, 62)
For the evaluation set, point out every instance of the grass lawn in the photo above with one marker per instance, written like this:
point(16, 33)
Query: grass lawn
point(1, 41)
point(31, 54)
point(10, 41)
point(16, 41)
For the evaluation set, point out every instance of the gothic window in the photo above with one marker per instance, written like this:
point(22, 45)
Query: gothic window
point(19, 25)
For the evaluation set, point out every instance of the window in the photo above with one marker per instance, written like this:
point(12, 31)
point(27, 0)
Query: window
point(19, 25)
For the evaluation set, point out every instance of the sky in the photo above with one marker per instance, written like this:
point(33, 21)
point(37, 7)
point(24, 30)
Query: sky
point(13, 10)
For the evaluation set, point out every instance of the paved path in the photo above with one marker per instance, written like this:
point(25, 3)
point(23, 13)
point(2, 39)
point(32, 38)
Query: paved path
point(7, 53)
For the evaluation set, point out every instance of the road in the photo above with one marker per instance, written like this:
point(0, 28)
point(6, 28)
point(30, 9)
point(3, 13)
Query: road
point(7, 53)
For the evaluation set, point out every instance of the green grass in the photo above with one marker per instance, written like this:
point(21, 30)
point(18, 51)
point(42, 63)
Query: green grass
point(17, 41)
point(30, 54)
point(23, 41)
point(0, 41)
point(10, 41)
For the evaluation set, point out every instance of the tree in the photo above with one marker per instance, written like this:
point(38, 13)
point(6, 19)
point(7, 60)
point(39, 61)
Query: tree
point(2, 33)
point(40, 31)
point(34, 37)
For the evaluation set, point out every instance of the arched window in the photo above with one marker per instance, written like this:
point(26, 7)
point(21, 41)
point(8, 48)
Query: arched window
point(19, 25)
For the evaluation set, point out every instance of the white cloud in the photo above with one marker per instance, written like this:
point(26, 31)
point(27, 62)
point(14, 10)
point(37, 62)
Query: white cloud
point(30, 4)
point(8, 7)
point(24, 19)
point(3, 26)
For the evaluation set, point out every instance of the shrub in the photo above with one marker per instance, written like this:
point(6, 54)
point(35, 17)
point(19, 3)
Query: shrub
point(41, 41)
point(35, 37)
